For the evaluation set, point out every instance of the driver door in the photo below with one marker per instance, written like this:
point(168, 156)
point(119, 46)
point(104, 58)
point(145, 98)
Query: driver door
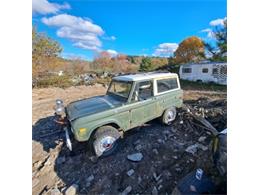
point(143, 108)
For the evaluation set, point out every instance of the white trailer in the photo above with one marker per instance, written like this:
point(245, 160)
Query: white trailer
point(205, 72)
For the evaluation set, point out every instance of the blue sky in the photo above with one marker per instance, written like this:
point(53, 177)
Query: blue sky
point(153, 28)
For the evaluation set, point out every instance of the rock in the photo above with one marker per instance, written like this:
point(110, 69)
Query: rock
point(160, 141)
point(181, 122)
point(89, 180)
point(202, 139)
point(127, 190)
point(155, 151)
point(156, 177)
point(61, 160)
point(93, 159)
point(178, 169)
point(135, 157)
point(55, 192)
point(192, 149)
point(175, 157)
point(204, 148)
point(138, 147)
point(130, 172)
point(154, 191)
point(72, 190)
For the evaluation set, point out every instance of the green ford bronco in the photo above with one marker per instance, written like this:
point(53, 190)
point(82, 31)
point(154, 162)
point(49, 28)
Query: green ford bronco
point(130, 101)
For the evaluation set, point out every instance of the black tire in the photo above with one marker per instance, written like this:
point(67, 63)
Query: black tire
point(169, 116)
point(105, 141)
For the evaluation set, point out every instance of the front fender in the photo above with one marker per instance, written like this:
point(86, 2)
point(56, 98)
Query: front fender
point(92, 126)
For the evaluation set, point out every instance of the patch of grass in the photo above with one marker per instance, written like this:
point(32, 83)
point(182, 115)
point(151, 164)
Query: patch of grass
point(191, 85)
point(55, 81)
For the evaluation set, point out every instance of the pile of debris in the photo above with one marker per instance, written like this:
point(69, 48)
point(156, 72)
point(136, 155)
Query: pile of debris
point(152, 159)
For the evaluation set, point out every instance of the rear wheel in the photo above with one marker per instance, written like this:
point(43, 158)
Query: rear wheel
point(169, 116)
point(105, 140)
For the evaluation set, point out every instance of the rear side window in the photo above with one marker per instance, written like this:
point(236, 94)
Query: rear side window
point(186, 70)
point(167, 84)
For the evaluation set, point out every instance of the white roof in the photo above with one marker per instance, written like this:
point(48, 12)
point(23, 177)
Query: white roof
point(143, 76)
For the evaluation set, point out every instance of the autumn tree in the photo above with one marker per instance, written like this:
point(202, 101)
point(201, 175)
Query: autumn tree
point(190, 50)
point(146, 64)
point(44, 52)
point(218, 52)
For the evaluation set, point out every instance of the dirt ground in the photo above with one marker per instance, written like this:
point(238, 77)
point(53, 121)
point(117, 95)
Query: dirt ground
point(165, 159)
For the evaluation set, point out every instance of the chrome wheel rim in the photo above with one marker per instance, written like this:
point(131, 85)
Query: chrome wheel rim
point(170, 116)
point(106, 143)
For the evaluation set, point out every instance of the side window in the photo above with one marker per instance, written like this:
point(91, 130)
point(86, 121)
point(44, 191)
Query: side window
point(205, 70)
point(223, 70)
point(167, 84)
point(215, 71)
point(143, 91)
point(186, 70)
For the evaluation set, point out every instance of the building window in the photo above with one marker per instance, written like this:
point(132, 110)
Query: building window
point(223, 70)
point(186, 70)
point(205, 70)
point(167, 84)
point(215, 71)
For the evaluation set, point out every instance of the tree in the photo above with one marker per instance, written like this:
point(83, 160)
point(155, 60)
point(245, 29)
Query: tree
point(146, 64)
point(44, 52)
point(219, 52)
point(190, 50)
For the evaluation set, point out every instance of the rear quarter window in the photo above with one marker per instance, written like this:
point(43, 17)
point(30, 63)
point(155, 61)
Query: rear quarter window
point(167, 84)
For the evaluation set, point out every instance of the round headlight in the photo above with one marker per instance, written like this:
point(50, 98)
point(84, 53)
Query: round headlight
point(59, 108)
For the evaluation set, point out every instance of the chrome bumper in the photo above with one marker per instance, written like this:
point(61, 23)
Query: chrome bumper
point(68, 141)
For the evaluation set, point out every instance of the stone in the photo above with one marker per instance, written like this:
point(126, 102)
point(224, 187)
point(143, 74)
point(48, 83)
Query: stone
point(160, 141)
point(204, 148)
point(156, 177)
point(155, 151)
point(89, 180)
point(130, 172)
point(55, 191)
point(192, 149)
point(72, 190)
point(202, 139)
point(154, 191)
point(138, 147)
point(175, 157)
point(181, 122)
point(93, 159)
point(127, 190)
point(136, 157)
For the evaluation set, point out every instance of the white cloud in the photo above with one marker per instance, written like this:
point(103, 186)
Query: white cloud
point(210, 33)
point(82, 32)
point(218, 22)
point(112, 53)
point(165, 49)
point(45, 7)
point(111, 38)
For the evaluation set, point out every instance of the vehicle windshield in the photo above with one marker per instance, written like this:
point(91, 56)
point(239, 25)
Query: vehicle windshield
point(120, 88)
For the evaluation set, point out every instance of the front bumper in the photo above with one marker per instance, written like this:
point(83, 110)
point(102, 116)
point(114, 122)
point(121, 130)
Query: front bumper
point(68, 140)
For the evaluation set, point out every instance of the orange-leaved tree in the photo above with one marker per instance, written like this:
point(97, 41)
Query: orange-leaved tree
point(190, 50)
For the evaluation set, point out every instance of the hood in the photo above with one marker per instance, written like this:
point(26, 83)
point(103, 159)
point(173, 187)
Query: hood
point(90, 106)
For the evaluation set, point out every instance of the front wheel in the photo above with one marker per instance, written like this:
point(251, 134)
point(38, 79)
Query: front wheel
point(105, 140)
point(169, 116)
